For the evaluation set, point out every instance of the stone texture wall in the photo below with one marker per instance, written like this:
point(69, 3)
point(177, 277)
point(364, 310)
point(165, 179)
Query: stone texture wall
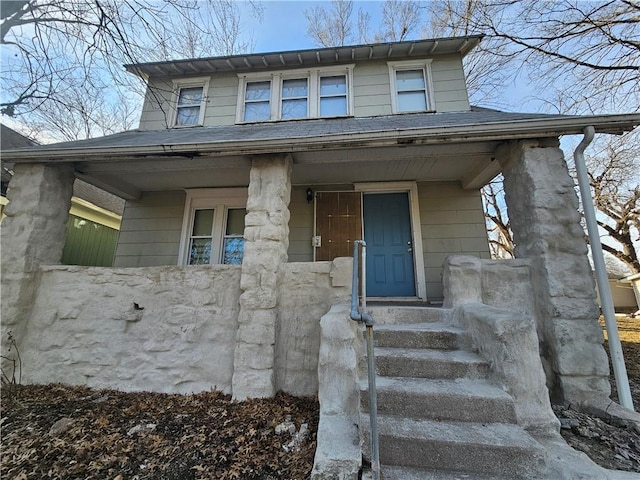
point(307, 291)
point(33, 234)
point(542, 206)
point(265, 251)
point(170, 329)
point(166, 329)
point(493, 300)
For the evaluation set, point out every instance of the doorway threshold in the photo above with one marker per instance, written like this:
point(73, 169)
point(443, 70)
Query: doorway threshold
point(402, 302)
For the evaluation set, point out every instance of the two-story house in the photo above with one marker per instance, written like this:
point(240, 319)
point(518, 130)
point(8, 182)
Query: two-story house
point(246, 184)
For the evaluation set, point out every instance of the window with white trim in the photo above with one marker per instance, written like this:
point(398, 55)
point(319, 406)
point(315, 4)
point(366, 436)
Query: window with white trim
point(411, 87)
point(213, 227)
point(257, 101)
point(295, 94)
point(190, 99)
point(295, 98)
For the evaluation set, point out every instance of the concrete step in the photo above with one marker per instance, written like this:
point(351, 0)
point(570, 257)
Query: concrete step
point(423, 363)
point(419, 335)
point(405, 473)
point(460, 400)
point(403, 315)
point(481, 448)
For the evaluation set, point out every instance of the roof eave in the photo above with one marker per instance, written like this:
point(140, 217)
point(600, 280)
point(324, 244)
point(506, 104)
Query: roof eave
point(306, 57)
point(495, 131)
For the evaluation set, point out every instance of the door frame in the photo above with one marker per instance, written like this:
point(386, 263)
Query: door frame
point(416, 231)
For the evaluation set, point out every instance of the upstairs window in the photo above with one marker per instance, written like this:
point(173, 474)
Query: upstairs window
point(257, 99)
point(295, 94)
point(411, 87)
point(333, 96)
point(295, 98)
point(190, 100)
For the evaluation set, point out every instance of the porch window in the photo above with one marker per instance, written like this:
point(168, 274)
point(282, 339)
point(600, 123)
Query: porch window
point(190, 99)
point(411, 87)
point(233, 248)
point(201, 237)
point(290, 95)
point(213, 227)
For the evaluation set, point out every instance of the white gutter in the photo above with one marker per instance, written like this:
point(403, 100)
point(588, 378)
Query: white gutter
point(615, 348)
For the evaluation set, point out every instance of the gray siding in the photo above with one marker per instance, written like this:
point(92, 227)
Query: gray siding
point(371, 94)
point(451, 219)
point(452, 222)
point(155, 110)
point(371, 90)
point(220, 107)
point(150, 230)
point(449, 85)
point(300, 226)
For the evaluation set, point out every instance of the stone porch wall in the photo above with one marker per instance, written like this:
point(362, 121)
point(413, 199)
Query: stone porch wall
point(169, 329)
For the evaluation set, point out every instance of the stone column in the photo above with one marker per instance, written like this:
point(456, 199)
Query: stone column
point(32, 234)
point(543, 210)
point(265, 250)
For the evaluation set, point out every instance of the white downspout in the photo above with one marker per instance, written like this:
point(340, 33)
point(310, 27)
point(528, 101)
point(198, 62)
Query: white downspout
point(615, 348)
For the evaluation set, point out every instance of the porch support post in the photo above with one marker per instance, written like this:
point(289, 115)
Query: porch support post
point(543, 211)
point(266, 243)
point(32, 234)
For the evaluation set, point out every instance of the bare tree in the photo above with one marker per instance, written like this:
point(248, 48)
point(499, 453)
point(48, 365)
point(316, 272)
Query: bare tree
point(330, 27)
point(489, 67)
point(590, 50)
point(57, 51)
point(498, 225)
point(400, 20)
point(614, 176)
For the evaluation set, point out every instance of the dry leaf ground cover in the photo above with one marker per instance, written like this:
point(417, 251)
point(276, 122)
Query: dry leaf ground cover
point(610, 445)
point(126, 436)
point(122, 436)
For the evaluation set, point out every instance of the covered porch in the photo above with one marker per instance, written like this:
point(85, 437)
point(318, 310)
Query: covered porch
point(246, 329)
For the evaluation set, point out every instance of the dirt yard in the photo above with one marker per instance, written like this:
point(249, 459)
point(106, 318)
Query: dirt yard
point(71, 433)
point(609, 445)
point(76, 433)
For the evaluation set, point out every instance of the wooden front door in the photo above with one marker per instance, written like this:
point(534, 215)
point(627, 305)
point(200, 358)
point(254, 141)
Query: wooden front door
point(338, 223)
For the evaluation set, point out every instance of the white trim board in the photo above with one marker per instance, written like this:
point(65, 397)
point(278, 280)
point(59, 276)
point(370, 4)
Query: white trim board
point(416, 231)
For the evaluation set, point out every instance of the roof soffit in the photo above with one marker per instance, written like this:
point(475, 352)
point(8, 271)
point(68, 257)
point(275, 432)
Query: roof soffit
point(308, 58)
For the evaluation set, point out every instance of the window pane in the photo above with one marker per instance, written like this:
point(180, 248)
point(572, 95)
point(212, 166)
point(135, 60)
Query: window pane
point(333, 106)
point(254, 112)
point(188, 116)
point(235, 221)
point(202, 223)
point(233, 251)
point(333, 85)
point(294, 88)
point(258, 91)
point(411, 102)
point(409, 80)
point(294, 108)
point(190, 96)
point(200, 252)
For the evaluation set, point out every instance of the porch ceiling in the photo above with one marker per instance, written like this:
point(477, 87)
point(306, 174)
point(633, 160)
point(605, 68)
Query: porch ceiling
point(448, 162)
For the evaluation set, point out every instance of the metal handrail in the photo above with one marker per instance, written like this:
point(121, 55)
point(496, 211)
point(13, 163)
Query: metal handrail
point(359, 314)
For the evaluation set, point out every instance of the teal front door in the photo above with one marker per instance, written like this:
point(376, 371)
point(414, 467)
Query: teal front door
point(387, 231)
